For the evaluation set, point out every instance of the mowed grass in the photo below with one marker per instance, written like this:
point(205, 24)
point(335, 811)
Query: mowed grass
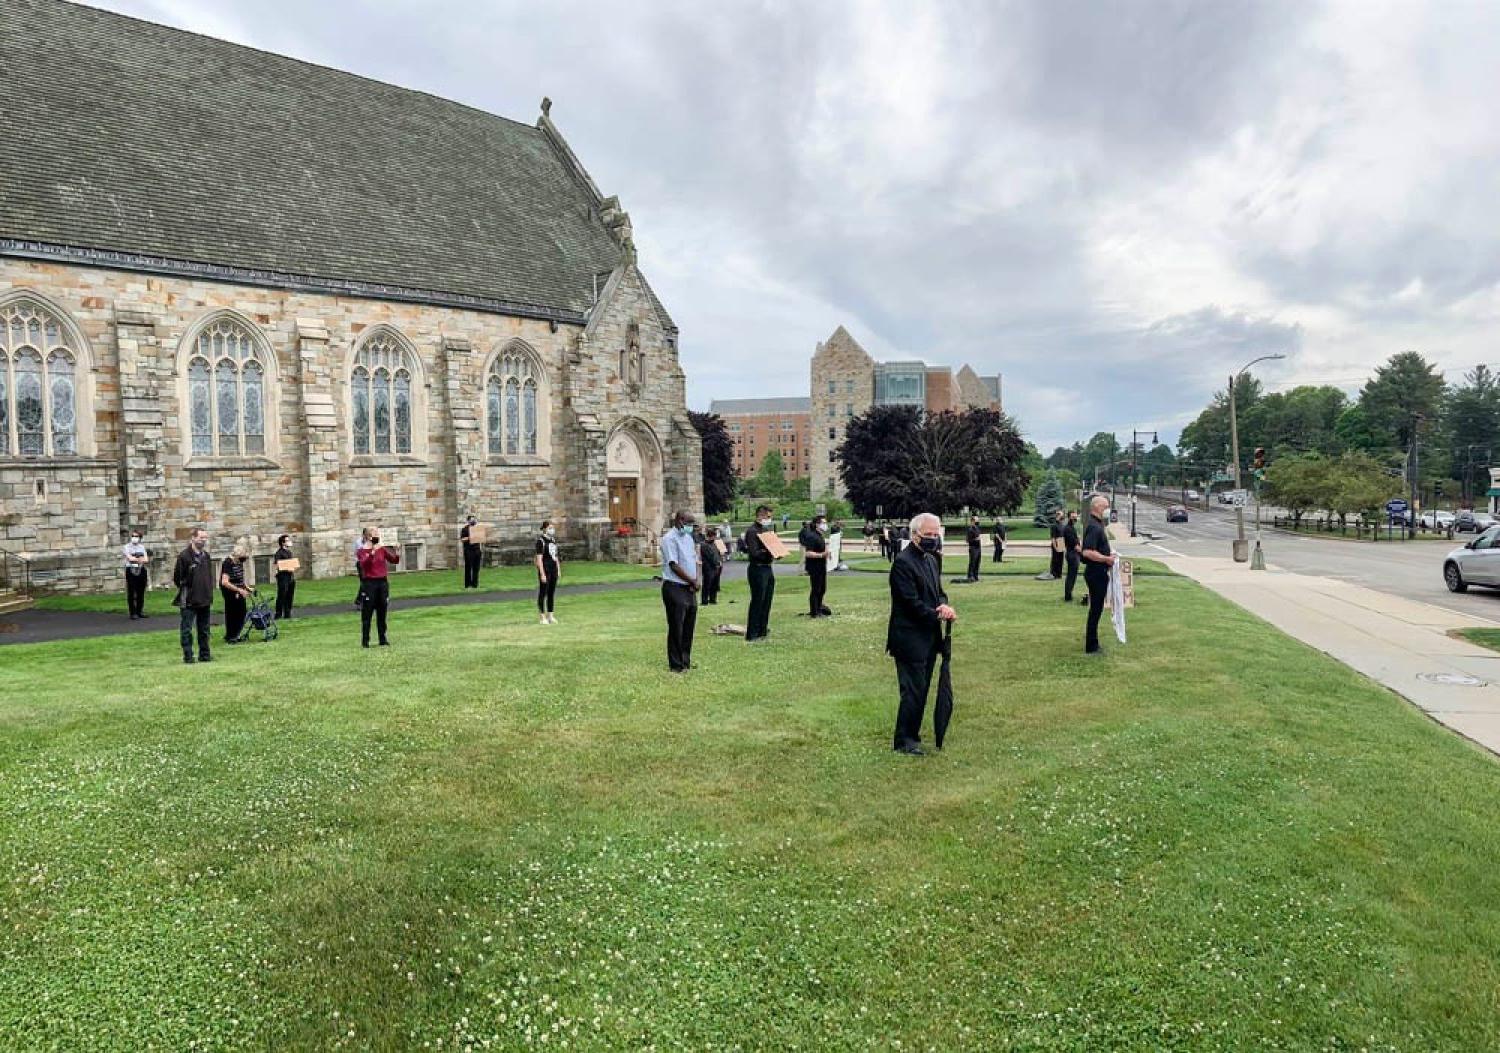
point(329, 591)
point(502, 835)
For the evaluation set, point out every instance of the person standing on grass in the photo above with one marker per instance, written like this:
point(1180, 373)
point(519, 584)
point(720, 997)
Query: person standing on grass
point(1055, 568)
point(136, 559)
point(712, 562)
point(974, 535)
point(1072, 552)
point(359, 546)
point(914, 634)
point(193, 574)
point(473, 553)
point(375, 562)
point(813, 540)
point(235, 592)
point(762, 577)
point(679, 587)
point(1099, 560)
point(286, 580)
point(548, 570)
point(997, 535)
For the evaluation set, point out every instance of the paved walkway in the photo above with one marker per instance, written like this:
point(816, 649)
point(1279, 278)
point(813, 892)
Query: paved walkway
point(1403, 644)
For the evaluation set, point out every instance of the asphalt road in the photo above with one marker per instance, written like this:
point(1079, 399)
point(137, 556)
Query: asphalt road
point(1410, 569)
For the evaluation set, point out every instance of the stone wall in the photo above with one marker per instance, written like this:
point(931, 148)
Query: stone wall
point(139, 472)
point(843, 363)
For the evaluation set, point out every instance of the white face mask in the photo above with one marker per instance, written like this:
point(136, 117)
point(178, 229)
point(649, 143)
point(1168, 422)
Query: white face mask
point(764, 522)
point(548, 532)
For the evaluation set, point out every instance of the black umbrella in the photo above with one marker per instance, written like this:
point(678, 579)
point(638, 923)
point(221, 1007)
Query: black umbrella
point(943, 711)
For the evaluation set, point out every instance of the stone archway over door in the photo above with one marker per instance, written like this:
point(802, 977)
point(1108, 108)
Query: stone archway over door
point(634, 466)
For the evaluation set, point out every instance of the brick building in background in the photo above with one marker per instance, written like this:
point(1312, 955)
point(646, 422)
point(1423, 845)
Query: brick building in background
point(846, 382)
point(758, 426)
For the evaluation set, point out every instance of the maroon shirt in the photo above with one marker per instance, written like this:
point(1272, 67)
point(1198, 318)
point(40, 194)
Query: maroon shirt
point(375, 562)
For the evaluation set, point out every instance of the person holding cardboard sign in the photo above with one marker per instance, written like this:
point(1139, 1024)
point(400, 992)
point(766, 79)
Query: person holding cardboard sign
point(764, 548)
point(472, 536)
point(375, 561)
point(286, 576)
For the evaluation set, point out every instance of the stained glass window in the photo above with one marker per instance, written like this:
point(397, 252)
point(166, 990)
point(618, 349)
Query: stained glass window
point(492, 395)
point(200, 399)
point(227, 394)
point(515, 404)
point(29, 411)
point(64, 418)
point(403, 412)
point(4, 405)
point(512, 416)
point(382, 403)
point(528, 410)
point(254, 407)
point(361, 395)
point(39, 380)
point(382, 397)
point(226, 386)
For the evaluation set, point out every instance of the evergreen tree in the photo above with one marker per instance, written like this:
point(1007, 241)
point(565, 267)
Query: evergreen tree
point(1049, 499)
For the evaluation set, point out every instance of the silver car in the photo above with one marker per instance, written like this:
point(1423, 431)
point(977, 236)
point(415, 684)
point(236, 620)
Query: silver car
point(1477, 563)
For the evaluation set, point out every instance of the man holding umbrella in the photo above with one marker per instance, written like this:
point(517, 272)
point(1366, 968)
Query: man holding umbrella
point(914, 635)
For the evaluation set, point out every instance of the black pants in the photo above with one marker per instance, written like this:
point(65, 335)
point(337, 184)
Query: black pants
point(234, 614)
point(472, 555)
point(286, 591)
point(377, 593)
point(1057, 562)
point(546, 590)
point(682, 619)
point(817, 576)
point(762, 588)
point(359, 597)
point(712, 576)
point(135, 592)
point(192, 616)
point(975, 554)
point(1098, 584)
point(1073, 559)
point(999, 552)
point(913, 678)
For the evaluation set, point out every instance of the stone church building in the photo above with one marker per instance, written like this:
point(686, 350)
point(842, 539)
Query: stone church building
point(248, 292)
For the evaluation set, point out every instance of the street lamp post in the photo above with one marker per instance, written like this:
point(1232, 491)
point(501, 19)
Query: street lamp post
point(1234, 442)
point(1134, 452)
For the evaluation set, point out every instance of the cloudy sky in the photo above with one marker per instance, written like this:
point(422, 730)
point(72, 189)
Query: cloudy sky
point(1114, 204)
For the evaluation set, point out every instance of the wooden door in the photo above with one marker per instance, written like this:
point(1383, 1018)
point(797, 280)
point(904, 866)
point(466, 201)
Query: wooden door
point(622, 502)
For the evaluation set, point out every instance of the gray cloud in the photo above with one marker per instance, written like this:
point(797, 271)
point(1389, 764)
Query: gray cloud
point(1112, 202)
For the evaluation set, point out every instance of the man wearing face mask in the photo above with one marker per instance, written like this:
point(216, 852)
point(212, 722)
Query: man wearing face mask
point(814, 542)
point(194, 576)
point(1098, 560)
point(762, 578)
point(136, 558)
point(914, 636)
point(679, 587)
point(975, 537)
point(472, 555)
point(548, 570)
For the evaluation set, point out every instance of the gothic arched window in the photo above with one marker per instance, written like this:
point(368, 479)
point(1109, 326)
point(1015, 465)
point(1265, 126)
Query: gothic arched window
point(381, 396)
point(40, 375)
point(515, 404)
point(226, 390)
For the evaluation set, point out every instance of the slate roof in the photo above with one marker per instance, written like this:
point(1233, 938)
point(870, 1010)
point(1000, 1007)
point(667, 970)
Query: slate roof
point(791, 404)
point(132, 137)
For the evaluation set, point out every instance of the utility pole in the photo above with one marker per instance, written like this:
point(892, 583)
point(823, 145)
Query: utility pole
point(1134, 452)
point(1241, 549)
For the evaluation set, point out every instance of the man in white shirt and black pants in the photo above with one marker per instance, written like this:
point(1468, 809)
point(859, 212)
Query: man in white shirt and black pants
point(679, 587)
point(136, 560)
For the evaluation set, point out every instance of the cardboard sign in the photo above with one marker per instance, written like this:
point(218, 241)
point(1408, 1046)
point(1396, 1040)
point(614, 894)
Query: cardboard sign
point(478, 534)
point(723, 548)
point(291, 566)
point(389, 537)
point(1127, 585)
point(774, 545)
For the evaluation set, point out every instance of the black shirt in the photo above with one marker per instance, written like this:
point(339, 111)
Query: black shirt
point(1056, 529)
point(283, 553)
point(755, 547)
point(464, 535)
point(998, 533)
point(234, 570)
point(812, 541)
point(1096, 538)
point(974, 534)
point(1070, 537)
point(708, 555)
point(547, 549)
point(193, 576)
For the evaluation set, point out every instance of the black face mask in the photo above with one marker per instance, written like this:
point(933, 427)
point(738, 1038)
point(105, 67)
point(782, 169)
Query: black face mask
point(931, 544)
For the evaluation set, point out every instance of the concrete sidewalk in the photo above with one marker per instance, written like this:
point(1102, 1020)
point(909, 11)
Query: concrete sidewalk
point(1403, 644)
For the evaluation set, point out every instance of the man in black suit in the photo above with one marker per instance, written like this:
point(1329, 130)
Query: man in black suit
point(975, 537)
point(919, 607)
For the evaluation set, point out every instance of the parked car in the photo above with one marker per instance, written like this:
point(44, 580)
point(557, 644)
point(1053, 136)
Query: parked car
point(1435, 520)
point(1467, 522)
point(1192, 495)
point(1177, 514)
point(1477, 563)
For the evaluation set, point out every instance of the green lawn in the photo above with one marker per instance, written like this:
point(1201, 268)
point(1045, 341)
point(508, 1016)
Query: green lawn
point(1212, 838)
point(324, 591)
point(1483, 637)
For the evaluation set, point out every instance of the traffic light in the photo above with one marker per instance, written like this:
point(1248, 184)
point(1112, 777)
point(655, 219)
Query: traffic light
point(1260, 458)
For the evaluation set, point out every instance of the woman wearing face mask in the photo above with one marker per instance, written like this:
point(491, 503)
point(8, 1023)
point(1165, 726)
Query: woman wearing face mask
point(232, 588)
point(814, 542)
point(136, 559)
point(548, 570)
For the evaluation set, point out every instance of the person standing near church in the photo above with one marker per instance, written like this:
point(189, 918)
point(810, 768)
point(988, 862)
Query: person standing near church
point(548, 570)
point(375, 562)
point(193, 574)
point(1072, 553)
point(762, 577)
point(235, 592)
point(679, 587)
point(813, 539)
point(974, 535)
point(914, 634)
point(136, 561)
point(1055, 569)
point(286, 580)
point(997, 535)
point(712, 562)
point(1099, 559)
point(473, 551)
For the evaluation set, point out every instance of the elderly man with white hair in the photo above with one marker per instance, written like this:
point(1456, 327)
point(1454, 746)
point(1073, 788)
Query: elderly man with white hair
point(1099, 559)
point(914, 636)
